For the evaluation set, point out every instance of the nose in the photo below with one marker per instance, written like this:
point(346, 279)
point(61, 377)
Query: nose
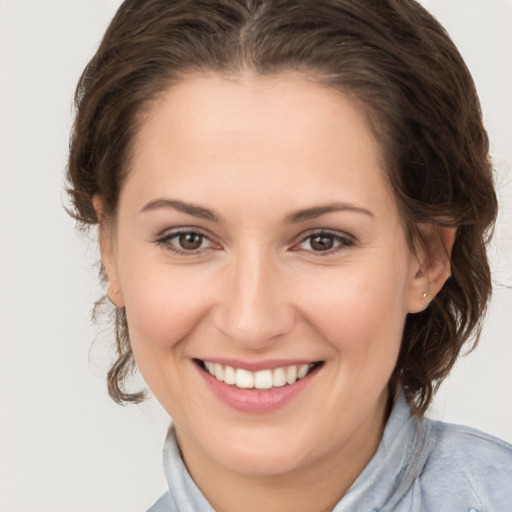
point(253, 309)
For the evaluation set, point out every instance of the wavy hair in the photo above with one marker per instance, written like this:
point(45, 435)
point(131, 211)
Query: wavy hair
point(391, 56)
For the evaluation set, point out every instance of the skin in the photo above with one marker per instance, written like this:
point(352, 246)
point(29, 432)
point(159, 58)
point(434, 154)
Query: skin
point(255, 150)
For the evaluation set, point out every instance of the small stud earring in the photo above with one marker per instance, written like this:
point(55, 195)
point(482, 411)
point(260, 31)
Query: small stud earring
point(425, 295)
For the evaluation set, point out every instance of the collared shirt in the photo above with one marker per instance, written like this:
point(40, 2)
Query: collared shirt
point(420, 465)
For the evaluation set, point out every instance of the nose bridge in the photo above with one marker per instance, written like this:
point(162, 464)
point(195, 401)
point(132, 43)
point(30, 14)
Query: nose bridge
point(254, 310)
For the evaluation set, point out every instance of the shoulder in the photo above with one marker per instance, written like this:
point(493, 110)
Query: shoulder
point(468, 464)
point(469, 448)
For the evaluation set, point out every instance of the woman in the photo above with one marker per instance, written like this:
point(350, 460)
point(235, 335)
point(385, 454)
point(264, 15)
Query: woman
point(294, 200)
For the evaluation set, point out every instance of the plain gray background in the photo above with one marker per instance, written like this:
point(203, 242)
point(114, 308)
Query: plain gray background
point(64, 446)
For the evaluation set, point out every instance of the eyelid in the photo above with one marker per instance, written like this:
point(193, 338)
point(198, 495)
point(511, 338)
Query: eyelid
point(168, 232)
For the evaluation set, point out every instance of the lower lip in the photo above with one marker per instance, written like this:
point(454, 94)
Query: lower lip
point(255, 400)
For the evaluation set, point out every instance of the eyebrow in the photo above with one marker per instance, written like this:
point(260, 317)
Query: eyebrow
point(293, 218)
point(318, 211)
point(181, 206)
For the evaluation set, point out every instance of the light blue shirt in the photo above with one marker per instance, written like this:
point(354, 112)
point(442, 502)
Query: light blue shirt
point(420, 465)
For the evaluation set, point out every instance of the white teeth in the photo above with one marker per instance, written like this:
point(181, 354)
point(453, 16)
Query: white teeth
point(263, 379)
point(244, 379)
point(279, 378)
point(291, 374)
point(303, 370)
point(229, 375)
point(219, 372)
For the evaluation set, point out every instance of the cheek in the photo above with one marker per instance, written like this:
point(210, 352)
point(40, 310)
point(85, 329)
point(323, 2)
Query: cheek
point(360, 313)
point(163, 306)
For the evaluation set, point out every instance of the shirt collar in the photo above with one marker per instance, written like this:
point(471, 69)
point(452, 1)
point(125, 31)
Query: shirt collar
point(398, 461)
point(183, 489)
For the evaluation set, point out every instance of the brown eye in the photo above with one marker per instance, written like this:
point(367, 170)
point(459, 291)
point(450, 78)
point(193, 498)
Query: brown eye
point(322, 242)
point(186, 242)
point(190, 241)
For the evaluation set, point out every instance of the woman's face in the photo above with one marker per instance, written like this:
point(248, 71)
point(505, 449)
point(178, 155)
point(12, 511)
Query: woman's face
point(257, 239)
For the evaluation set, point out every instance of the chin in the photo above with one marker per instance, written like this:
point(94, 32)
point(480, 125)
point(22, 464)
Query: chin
point(262, 464)
point(260, 452)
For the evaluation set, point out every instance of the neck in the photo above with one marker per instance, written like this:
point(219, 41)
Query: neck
point(316, 487)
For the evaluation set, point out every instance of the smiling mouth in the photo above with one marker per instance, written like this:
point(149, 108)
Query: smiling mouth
point(260, 380)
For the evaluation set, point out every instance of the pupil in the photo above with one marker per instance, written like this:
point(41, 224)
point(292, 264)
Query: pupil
point(322, 243)
point(190, 241)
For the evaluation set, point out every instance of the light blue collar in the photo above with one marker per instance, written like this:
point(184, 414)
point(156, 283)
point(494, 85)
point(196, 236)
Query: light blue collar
point(399, 460)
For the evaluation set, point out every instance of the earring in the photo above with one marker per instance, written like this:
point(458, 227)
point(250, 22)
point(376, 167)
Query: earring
point(425, 295)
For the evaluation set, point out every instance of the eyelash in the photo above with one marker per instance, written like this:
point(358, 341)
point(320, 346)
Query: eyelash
point(166, 240)
point(343, 242)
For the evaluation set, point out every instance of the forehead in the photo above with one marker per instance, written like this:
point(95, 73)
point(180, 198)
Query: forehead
point(211, 104)
point(282, 137)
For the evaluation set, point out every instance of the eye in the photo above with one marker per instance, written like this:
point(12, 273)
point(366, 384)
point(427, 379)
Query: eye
point(189, 241)
point(185, 241)
point(325, 242)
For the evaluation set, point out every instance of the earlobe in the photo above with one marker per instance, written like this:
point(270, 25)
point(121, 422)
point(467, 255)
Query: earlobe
point(432, 267)
point(418, 292)
point(107, 250)
point(114, 295)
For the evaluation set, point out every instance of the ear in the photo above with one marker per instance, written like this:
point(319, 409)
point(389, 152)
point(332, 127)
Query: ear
point(432, 266)
point(108, 253)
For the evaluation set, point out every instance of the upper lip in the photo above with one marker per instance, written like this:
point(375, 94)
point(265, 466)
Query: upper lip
point(254, 366)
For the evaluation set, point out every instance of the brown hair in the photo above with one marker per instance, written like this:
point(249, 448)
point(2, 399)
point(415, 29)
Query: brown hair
point(390, 55)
